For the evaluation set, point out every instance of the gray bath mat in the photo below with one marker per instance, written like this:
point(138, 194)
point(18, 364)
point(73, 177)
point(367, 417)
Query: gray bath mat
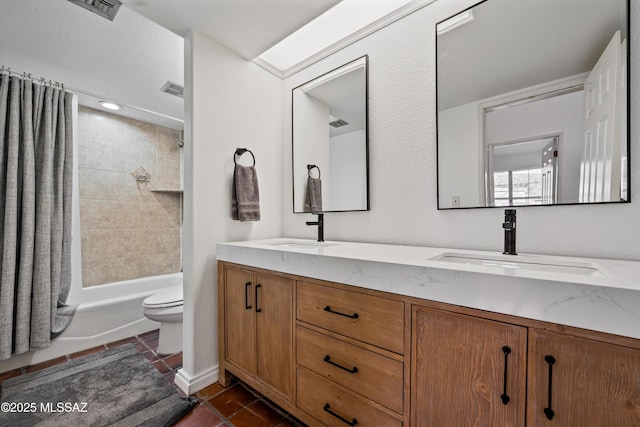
point(117, 387)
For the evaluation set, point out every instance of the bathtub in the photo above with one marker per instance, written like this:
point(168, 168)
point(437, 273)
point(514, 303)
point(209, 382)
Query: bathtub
point(105, 313)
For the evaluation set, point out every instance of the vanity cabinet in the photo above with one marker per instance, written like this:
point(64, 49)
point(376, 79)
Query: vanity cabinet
point(466, 370)
point(258, 327)
point(592, 383)
point(333, 354)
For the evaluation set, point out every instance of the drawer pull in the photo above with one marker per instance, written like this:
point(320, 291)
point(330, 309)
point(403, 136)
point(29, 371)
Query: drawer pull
point(327, 408)
point(505, 397)
point(258, 310)
point(247, 306)
point(548, 411)
point(327, 359)
point(351, 316)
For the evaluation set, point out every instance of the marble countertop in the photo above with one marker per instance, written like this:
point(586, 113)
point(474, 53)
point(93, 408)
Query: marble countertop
point(596, 294)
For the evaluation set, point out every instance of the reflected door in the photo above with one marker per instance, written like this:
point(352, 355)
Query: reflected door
point(600, 164)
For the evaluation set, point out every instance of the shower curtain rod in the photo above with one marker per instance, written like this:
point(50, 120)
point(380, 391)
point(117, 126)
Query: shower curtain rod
point(27, 76)
point(77, 91)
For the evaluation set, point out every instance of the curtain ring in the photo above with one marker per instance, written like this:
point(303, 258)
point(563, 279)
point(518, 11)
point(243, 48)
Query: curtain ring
point(309, 167)
point(240, 152)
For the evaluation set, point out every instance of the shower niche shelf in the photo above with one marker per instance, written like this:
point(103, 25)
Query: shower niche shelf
point(167, 190)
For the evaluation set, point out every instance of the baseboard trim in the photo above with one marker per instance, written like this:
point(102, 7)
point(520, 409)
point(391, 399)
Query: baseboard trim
point(191, 384)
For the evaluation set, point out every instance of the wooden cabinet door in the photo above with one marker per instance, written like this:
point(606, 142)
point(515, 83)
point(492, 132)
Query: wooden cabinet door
point(240, 338)
point(458, 371)
point(592, 383)
point(274, 329)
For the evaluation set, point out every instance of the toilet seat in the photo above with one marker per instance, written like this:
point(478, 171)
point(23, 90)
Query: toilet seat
point(171, 297)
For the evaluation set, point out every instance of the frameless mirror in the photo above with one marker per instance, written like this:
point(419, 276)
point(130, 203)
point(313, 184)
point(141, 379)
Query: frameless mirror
point(330, 144)
point(532, 101)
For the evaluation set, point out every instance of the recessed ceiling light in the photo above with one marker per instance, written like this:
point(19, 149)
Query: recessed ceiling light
point(110, 105)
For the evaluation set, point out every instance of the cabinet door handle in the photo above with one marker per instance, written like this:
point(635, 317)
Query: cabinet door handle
point(327, 408)
point(550, 360)
point(247, 306)
point(351, 316)
point(505, 397)
point(327, 359)
point(258, 310)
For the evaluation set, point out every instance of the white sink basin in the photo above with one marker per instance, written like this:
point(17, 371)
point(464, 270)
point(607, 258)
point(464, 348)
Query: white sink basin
point(517, 262)
point(295, 244)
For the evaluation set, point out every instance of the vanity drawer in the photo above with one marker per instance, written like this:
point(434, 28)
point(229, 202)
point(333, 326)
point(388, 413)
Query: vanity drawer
point(376, 377)
point(324, 401)
point(367, 318)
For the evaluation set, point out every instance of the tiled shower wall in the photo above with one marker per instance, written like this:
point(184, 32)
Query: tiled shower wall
point(128, 229)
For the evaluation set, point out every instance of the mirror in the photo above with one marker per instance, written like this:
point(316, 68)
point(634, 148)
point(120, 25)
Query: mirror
point(330, 142)
point(532, 102)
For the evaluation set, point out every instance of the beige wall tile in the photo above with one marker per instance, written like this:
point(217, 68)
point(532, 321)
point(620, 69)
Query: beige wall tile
point(106, 214)
point(104, 244)
point(105, 155)
point(137, 191)
point(140, 243)
point(84, 214)
point(168, 211)
point(167, 135)
point(168, 183)
point(83, 153)
point(104, 271)
point(140, 134)
point(106, 185)
point(134, 215)
point(136, 157)
point(106, 127)
point(167, 263)
point(168, 241)
point(83, 183)
point(83, 121)
point(136, 268)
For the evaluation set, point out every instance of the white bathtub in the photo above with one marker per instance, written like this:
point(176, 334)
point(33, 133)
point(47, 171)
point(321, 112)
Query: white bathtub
point(105, 313)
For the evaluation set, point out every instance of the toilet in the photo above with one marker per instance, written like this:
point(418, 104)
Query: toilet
point(166, 307)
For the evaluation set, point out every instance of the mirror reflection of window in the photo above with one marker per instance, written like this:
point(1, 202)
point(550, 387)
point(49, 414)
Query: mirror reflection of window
point(518, 188)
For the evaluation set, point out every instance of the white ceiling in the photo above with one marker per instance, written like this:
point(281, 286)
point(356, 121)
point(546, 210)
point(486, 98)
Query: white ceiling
point(346, 98)
point(247, 27)
point(512, 45)
point(127, 60)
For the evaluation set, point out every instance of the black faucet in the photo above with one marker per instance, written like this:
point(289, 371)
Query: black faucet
point(509, 226)
point(320, 224)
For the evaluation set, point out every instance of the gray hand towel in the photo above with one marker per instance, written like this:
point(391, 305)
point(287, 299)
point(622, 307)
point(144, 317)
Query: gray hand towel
point(245, 197)
point(313, 195)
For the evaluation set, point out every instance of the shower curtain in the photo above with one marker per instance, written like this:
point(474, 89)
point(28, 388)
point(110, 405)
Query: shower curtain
point(35, 213)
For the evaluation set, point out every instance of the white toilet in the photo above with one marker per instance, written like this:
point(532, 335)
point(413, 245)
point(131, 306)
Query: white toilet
point(166, 307)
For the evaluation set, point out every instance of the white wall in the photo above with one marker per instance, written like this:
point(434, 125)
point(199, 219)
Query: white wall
point(230, 103)
point(402, 144)
point(461, 166)
point(348, 172)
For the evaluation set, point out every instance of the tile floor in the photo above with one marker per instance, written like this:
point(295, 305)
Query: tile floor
point(233, 406)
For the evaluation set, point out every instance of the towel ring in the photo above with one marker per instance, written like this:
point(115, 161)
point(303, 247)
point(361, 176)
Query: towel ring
point(240, 152)
point(309, 167)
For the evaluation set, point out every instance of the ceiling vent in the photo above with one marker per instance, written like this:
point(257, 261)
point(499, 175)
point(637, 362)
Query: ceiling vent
point(338, 123)
point(105, 8)
point(173, 89)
